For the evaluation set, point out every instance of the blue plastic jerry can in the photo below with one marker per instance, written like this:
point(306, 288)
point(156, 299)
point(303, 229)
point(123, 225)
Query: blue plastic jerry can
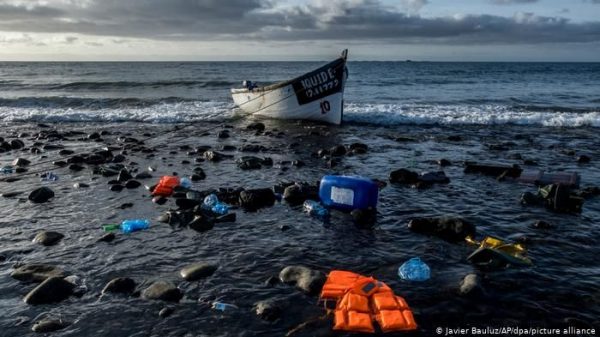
point(347, 193)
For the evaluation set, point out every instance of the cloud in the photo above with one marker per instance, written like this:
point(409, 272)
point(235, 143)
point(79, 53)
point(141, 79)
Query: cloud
point(262, 20)
point(512, 2)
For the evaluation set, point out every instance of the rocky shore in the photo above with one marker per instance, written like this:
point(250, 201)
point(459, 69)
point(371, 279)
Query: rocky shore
point(266, 258)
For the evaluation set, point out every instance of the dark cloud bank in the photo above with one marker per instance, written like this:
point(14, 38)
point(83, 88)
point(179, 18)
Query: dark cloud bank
point(260, 20)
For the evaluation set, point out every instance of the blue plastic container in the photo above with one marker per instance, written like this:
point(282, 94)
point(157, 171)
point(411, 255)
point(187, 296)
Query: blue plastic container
point(347, 193)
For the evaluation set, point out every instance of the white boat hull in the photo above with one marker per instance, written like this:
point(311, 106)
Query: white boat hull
point(318, 96)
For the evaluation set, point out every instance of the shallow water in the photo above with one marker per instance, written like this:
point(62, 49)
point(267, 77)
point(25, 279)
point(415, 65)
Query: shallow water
point(562, 283)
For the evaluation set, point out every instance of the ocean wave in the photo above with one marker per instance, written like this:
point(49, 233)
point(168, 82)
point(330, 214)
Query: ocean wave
point(395, 114)
point(176, 112)
point(93, 85)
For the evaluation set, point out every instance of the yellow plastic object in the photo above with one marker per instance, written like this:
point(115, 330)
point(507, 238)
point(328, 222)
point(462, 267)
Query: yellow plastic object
point(515, 250)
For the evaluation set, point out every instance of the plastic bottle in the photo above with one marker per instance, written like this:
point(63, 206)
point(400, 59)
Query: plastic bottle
point(223, 306)
point(185, 182)
point(128, 226)
point(6, 170)
point(220, 208)
point(210, 201)
point(414, 270)
point(315, 209)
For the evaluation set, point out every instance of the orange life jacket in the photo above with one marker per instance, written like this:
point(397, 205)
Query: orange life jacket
point(165, 186)
point(363, 300)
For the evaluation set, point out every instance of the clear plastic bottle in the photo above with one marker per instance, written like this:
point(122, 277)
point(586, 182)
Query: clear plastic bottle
point(223, 306)
point(210, 201)
point(185, 182)
point(128, 226)
point(6, 170)
point(315, 209)
point(414, 270)
point(49, 176)
point(220, 208)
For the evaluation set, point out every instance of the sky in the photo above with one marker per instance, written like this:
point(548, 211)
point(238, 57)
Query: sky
point(199, 30)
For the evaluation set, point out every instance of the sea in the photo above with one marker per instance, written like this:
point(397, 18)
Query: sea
point(384, 93)
point(159, 118)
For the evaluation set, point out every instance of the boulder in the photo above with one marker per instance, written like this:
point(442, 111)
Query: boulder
point(449, 229)
point(162, 290)
point(108, 237)
point(297, 193)
point(249, 163)
point(197, 271)
point(21, 162)
point(16, 144)
point(53, 289)
point(143, 175)
point(80, 185)
point(308, 280)
point(48, 238)
point(124, 175)
point(130, 184)
point(36, 272)
point(256, 126)
point(404, 176)
point(337, 151)
point(49, 325)
point(215, 156)
point(223, 134)
point(122, 285)
point(201, 223)
point(583, 159)
point(444, 162)
point(268, 310)
point(41, 195)
point(256, 198)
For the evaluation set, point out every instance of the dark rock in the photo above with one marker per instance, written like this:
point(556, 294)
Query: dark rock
point(60, 163)
point(118, 158)
point(308, 280)
point(268, 310)
point(16, 144)
point(469, 285)
point(10, 194)
point(49, 325)
point(322, 153)
point(444, 162)
point(271, 281)
point(228, 148)
point(77, 159)
point(199, 175)
point(21, 162)
point(35, 150)
point(121, 285)
point(132, 184)
point(251, 148)
point(41, 195)
point(256, 127)
point(266, 161)
point(51, 147)
point(256, 198)
point(359, 146)
point(201, 223)
point(53, 289)
point(143, 175)
point(65, 152)
point(296, 194)
point(184, 203)
point(81, 185)
point(449, 229)
point(124, 175)
point(162, 290)
point(94, 135)
point(454, 138)
point(166, 312)
point(20, 170)
point(159, 200)
point(541, 224)
point(215, 156)
point(48, 238)
point(116, 188)
point(284, 228)
point(249, 163)
point(197, 271)
point(108, 237)
point(404, 176)
point(75, 167)
point(298, 163)
point(223, 134)
point(438, 177)
point(364, 218)
point(126, 205)
point(36, 272)
point(337, 151)
point(583, 159)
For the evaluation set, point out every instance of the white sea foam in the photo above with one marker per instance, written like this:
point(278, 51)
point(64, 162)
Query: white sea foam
point(379, 114)
point(392, 114)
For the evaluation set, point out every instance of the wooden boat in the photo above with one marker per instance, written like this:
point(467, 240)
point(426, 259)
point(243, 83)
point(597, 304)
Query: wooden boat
point(317, 95)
